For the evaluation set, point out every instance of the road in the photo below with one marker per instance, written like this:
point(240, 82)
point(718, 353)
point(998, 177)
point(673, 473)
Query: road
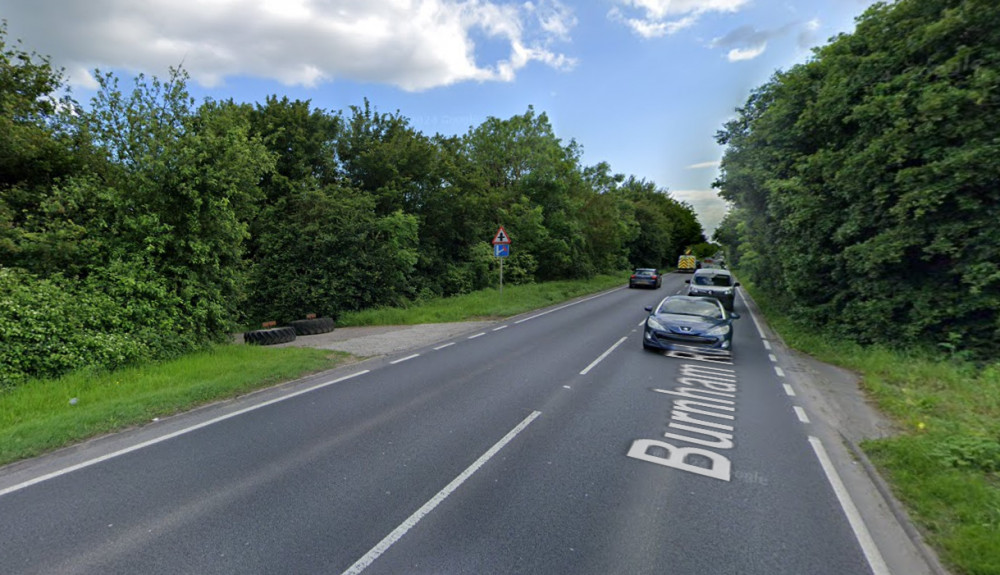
point(547, 443)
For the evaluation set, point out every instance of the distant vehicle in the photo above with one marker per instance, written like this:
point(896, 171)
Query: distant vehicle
point(712, 263)
point(650, 277)
point(686, 323)
point(714, 282)
point(687, 263)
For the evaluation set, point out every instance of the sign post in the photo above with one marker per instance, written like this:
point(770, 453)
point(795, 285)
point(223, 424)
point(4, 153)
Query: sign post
point(501, 249)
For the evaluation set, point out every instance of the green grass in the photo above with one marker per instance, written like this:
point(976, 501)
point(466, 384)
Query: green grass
point(945, 464)
point(483, 305)
point(38, 417)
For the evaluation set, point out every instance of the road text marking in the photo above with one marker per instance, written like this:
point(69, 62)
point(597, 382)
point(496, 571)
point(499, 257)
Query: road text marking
point(705, 391)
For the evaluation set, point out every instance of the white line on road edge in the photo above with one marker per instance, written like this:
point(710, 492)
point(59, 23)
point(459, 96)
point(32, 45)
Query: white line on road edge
point(499, 328)
point(402, 359)
point(566, 306)
point(753, 316)
point(801, 414)
point(450, 343)
point(779, 371)
point(603, 355)
point(419, 514)
point(162, 438)
point(477, 335)
point(772, 357)
point(767, 344)
point(872, 554)
point(788, 390)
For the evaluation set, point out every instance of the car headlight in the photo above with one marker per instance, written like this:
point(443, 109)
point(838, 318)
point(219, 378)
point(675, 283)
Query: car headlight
point(718, 330)
point(653, 324)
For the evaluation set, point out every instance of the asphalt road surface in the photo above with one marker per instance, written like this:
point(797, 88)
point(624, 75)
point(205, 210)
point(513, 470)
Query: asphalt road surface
point(547, 443)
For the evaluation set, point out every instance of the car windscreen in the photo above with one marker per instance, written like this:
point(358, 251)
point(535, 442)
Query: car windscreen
point(718, 280)
point(644, 272)
point(691, 307)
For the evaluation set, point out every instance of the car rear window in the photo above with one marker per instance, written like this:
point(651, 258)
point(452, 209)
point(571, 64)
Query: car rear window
point(720, 280)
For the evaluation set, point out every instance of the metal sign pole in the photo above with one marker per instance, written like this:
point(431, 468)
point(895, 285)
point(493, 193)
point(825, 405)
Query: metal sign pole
point(501, 276)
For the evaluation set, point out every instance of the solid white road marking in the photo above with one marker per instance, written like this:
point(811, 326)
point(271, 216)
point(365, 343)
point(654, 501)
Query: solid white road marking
point(450, 343)
point(402, 359)
point(179, 432)
point(801, 414)
point(788, 390)
point(872, 554)
point(779, 371)
point(753, 316)
point(567, 305)
point(603, 355)
point(419, 514)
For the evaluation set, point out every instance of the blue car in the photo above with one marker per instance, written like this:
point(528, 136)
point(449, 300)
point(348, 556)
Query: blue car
point(692, 324)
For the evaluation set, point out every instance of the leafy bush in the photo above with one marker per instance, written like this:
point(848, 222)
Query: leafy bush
point(116, 317)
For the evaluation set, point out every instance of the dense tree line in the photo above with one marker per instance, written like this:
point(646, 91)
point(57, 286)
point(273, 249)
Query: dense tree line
point(147, 225)
point(865, 183)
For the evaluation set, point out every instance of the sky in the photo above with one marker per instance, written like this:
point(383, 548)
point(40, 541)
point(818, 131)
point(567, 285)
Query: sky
point(643, 85)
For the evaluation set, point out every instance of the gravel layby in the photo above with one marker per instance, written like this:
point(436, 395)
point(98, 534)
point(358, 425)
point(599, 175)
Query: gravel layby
point(382, 340)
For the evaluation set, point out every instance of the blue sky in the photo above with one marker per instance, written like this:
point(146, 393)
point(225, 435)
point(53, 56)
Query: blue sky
point(641, 84)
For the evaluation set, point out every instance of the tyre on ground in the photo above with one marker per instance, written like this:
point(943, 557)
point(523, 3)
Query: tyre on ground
point(271, 336)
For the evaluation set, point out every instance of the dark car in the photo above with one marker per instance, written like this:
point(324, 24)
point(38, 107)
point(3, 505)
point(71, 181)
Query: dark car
point(686, 323)
point(714, 282)
point(649, 277)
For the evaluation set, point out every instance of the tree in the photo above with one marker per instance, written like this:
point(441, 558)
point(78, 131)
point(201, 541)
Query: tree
point(188, 181)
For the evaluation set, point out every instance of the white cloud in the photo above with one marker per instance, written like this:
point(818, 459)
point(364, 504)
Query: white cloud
point(413, 44)
point(740, 54)
point(704, 165)
point(654, 18)
point(707, 204)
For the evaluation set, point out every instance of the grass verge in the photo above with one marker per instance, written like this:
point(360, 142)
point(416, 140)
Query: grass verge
point(43, 415)
point(945, 466)
point(483, 305)
point(38, 416)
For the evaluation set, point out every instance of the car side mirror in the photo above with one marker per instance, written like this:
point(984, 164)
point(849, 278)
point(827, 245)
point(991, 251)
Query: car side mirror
point(734, 315)
point(737, 284)
point(648, 308)
point(687, 281)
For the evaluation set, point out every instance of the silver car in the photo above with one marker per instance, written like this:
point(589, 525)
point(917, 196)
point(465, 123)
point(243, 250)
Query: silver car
point(714, 282)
